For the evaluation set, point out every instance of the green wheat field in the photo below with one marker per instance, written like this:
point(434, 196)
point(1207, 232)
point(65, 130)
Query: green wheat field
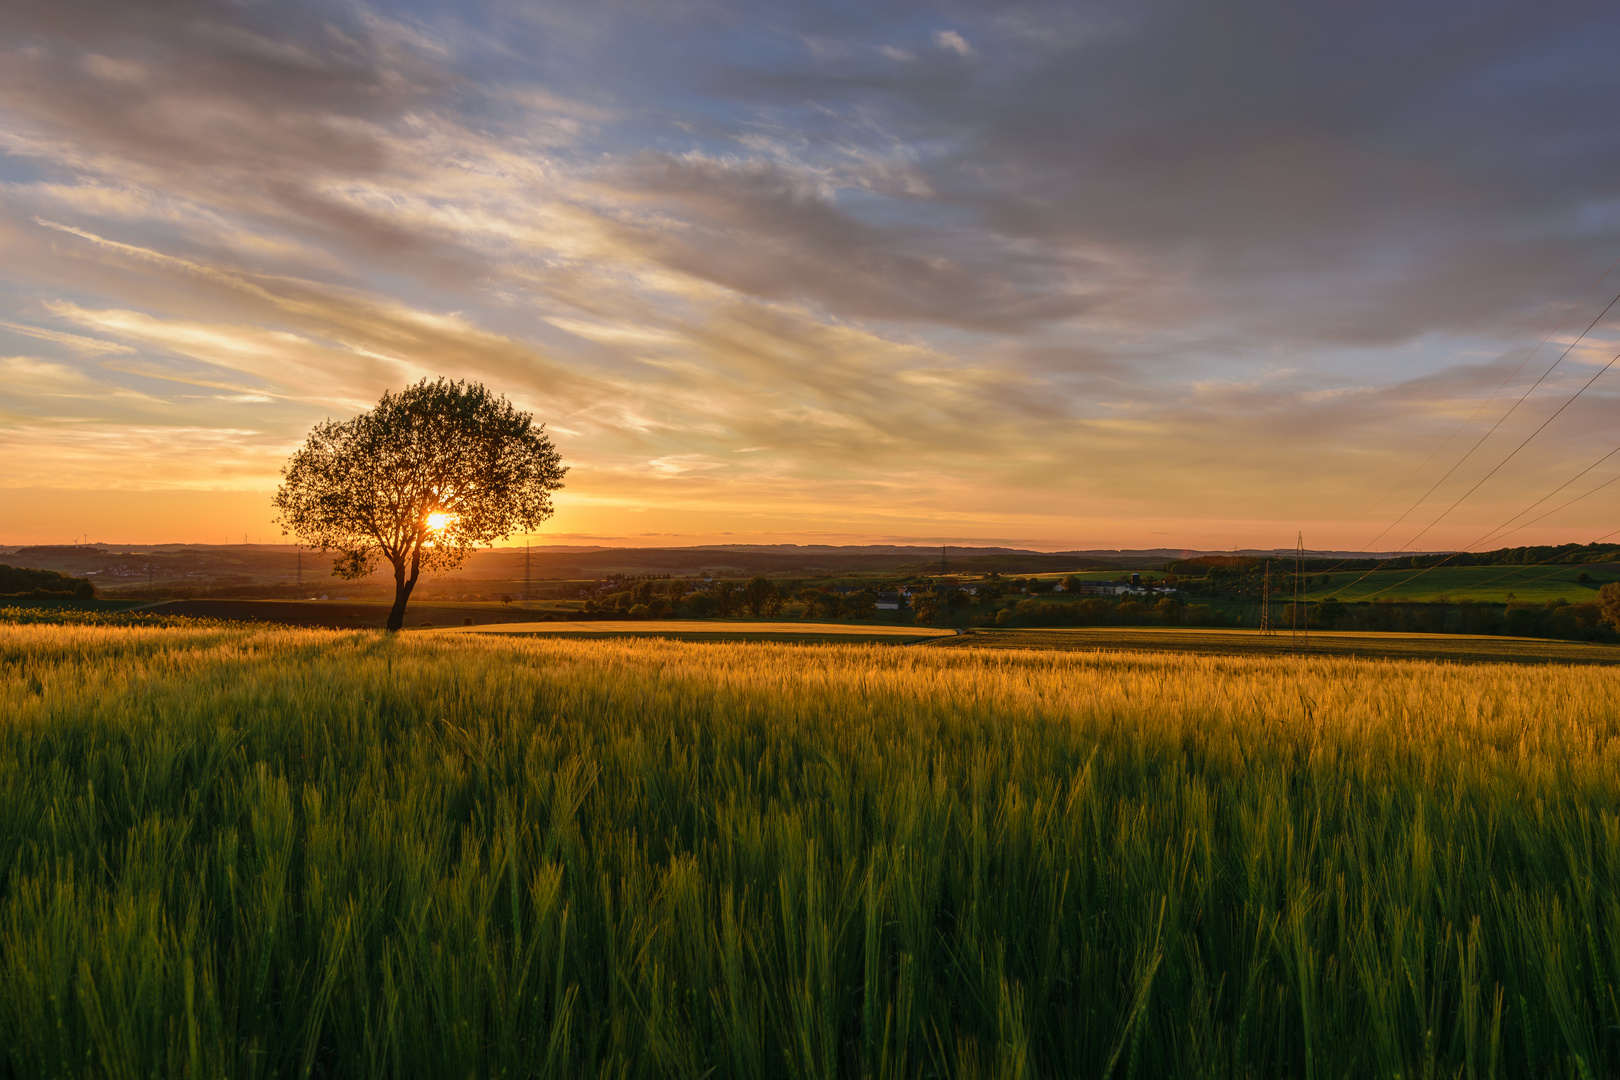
point(236, 852)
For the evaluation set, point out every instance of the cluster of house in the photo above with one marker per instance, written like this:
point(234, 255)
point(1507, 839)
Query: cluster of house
point(894, 601)
point(1116, 588)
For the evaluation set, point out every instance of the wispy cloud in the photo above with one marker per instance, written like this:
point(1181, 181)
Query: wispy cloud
point(84, 346)
point(1080, 274)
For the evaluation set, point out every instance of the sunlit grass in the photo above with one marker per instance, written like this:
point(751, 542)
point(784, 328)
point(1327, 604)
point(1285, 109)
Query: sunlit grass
point(235, 852)
point(18, 614)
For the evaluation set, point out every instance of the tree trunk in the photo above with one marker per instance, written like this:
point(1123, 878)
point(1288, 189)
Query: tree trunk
point(402, 593)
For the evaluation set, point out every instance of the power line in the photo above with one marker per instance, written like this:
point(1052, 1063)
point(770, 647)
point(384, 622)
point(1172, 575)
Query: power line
point(1499, 577)
point(1490, 536)
point(1493, 532)
point(1500, 421)
point(1497, 468)
point(1478, 409)
point(1458, 430)
point(1557, 509)
point(1481, 407)
point(1539, 562)
point(1543, 562)
point(1521, 446)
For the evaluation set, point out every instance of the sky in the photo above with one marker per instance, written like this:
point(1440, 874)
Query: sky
point(1070, 275)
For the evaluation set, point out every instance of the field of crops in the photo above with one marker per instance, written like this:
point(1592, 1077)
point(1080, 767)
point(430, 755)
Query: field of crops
point(270, 852)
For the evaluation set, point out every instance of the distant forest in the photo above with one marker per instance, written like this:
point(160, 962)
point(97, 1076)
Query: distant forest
point(15, 580)
point(1546, 555)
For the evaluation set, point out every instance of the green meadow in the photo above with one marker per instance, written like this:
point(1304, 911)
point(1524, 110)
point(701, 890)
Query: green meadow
point(240, 852)
point(1486, 584)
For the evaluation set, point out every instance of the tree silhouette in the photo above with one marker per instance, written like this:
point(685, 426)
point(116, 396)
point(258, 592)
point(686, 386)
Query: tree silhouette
point(419, 481)
point(1609, 603)
point(757, 594)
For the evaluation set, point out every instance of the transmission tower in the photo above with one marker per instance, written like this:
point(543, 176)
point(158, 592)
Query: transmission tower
point(1301, 620)
point(526, 573)
point(300, 550)
point(1265, 602)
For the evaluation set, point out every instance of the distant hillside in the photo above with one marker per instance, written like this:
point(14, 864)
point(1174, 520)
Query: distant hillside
point(785, 559)
point(246, 567)
point(206, 566)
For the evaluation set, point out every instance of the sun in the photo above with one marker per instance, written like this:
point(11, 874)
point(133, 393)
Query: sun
point(437, 520)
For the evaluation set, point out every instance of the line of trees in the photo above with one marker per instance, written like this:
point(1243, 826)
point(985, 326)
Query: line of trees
point(658, 599)
point(758, 597)
point(23, 581)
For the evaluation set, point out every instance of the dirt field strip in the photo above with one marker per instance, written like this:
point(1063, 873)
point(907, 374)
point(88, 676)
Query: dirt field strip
point(1461, 648)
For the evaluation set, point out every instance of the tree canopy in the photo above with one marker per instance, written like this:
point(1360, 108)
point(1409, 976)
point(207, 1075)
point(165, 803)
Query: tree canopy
point(419, 481)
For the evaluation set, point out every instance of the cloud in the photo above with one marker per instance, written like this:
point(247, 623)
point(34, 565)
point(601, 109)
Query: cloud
point(754, 227)
point(83, 346)
point(1183, 261)
point(1338, 174)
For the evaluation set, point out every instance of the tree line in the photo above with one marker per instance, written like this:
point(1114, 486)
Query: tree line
point(1547, 554)
point(23, 581)
point(758, 597)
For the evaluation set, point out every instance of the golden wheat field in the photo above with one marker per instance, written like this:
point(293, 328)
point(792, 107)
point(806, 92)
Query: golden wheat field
point(229, 851)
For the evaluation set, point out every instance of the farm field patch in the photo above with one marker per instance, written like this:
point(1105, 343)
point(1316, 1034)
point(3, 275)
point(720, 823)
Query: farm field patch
point(1487, 584)
point(1464, 648)
point(735, 630)
point(272, 851)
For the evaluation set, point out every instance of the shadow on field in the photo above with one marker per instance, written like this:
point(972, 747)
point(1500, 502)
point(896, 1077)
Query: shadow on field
point(343, 615)
point(1458, 648)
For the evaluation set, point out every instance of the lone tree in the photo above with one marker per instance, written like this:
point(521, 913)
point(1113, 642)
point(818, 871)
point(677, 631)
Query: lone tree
point(420, 480)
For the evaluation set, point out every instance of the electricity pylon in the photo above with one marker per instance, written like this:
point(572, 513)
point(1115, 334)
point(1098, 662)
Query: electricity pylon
point(1301, 620)
point(1265, 602)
